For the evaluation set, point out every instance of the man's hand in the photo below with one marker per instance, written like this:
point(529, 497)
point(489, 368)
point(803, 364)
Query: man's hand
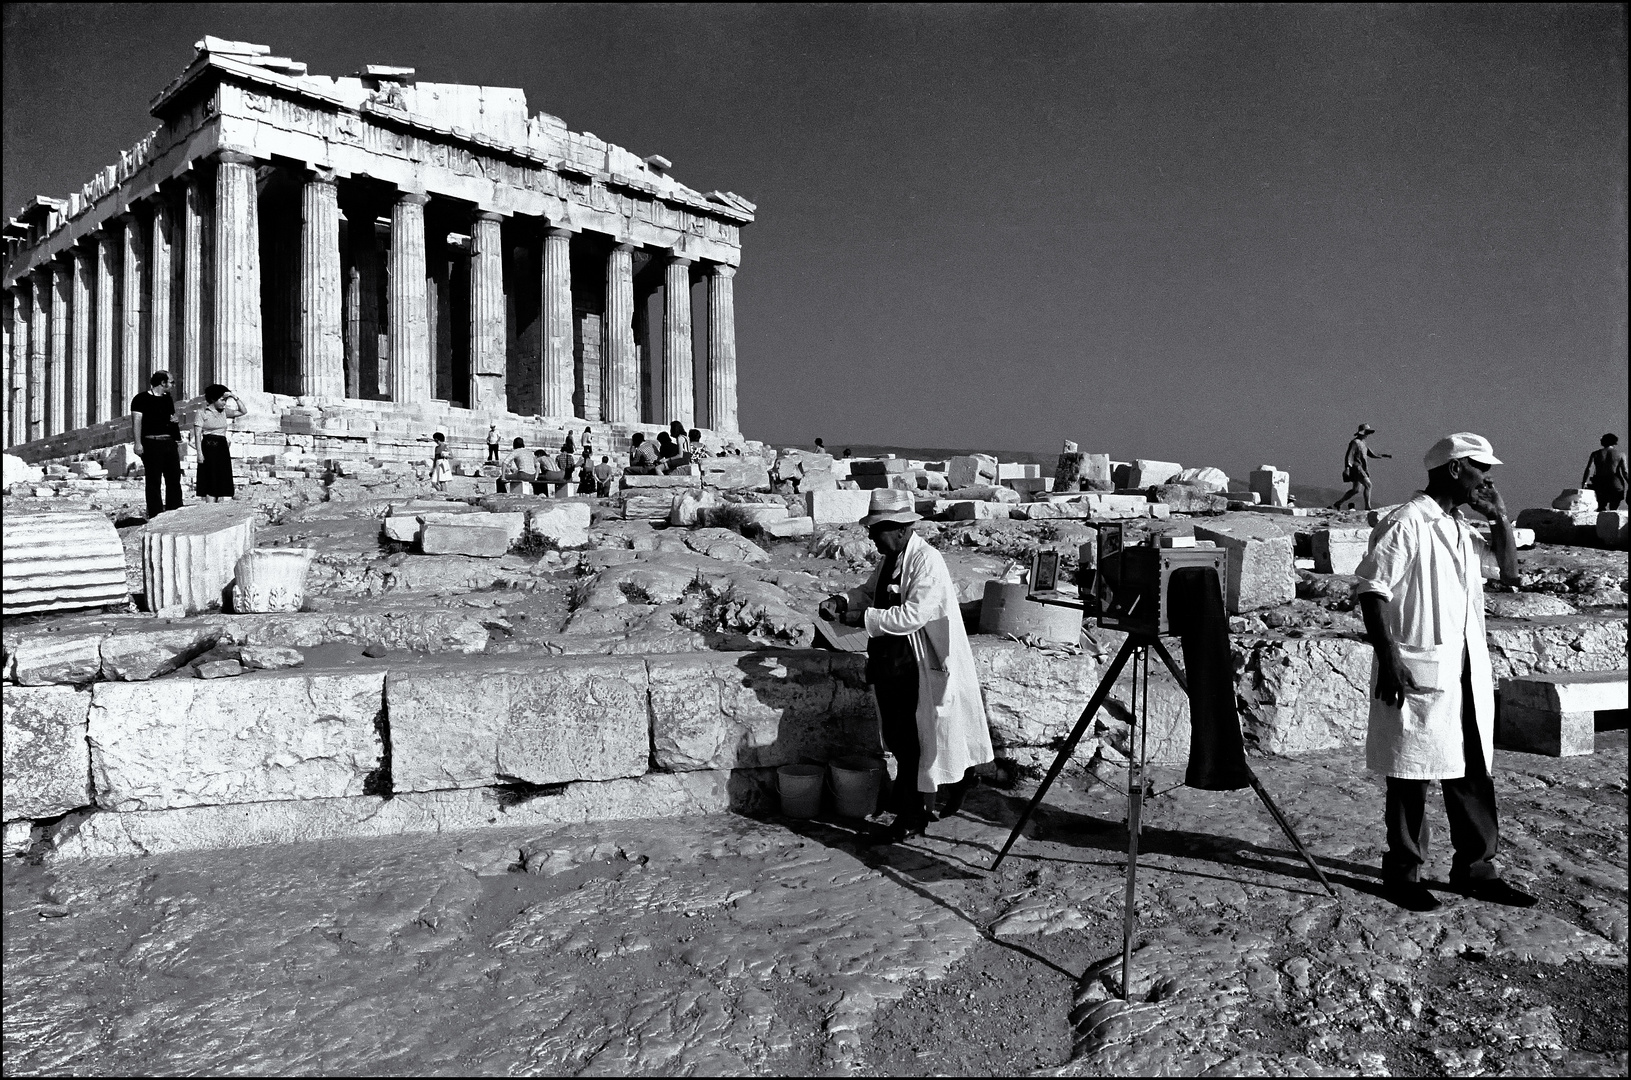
point(853, 617)
point(1488, 502)
point(139, 451)
point(1393, 679)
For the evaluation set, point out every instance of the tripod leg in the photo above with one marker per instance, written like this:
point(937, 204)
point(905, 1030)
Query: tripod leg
point(1285, 827)
point(1093, 705)
point(1135, 806)
point(1172, 665)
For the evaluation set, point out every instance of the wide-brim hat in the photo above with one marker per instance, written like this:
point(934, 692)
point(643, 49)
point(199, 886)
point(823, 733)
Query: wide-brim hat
point(1366, 429)
point(1463, 444)
point(892, 505)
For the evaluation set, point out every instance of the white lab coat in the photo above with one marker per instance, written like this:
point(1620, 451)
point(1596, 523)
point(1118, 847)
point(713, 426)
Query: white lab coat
point(1427, 567)
point(951, 724)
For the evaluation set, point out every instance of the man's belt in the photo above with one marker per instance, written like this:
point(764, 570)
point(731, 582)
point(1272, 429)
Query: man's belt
point(157, 438)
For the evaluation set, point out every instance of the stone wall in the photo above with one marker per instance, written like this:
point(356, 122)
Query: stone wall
point(128, 762)
point(356, 429)
point(275, 755)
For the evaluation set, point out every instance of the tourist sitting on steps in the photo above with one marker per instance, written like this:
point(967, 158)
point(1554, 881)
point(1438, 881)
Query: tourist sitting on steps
point(920, 667)
point(540, 485)
point(210, 426)
point(642, 456)
point(520, 467)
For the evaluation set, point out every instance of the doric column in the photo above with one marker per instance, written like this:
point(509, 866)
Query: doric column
point(159, 298)
point(56, 371)
point(487, 352)
point(410, 330)
point(7, 315)
point(557, 316)
point(132, 268)
point(79, 349)
point(679, 383)
point(722, 348)
point(238, 360)
point(106, 402)
point(39, 351)
point(191, 331)
point(620, 383)
point(322, 347)
point(22, 311)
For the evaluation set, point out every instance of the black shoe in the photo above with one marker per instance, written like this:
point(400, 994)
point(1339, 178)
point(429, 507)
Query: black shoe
point(956, 793)
point(1411, 895)
point(903, 829)
point(1496, 891)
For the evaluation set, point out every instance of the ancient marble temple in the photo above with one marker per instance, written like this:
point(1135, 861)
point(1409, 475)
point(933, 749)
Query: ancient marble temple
point(365, 239)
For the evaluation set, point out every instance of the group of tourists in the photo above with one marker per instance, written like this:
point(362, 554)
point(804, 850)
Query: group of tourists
point(574, 468)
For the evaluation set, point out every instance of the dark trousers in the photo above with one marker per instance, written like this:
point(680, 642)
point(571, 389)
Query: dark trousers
point(896, 692)
point(162, 460)
point(1469, 803)
point(492, 451)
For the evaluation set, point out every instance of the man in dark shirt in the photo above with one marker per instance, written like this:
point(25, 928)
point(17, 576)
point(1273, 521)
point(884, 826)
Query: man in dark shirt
point(158, 443)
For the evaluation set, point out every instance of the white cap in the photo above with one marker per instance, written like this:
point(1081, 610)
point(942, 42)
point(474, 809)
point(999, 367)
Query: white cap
point(1463, 444)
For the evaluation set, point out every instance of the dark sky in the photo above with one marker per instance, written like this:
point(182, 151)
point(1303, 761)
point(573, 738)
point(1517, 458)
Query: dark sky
point(1215, 235)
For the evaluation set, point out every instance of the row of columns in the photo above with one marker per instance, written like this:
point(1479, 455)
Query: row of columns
point(85, 334)
point(73, 359)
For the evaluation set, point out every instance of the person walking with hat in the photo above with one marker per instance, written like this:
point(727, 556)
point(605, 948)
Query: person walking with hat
point(1432, 709)
point(920, 666)
point(1355, 469)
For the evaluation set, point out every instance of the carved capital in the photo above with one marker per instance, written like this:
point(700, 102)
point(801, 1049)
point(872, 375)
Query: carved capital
point(413, 198)
point(722, 270)
point(233, 157)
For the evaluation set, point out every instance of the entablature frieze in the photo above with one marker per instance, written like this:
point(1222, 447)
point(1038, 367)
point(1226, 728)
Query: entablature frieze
point(260, 114)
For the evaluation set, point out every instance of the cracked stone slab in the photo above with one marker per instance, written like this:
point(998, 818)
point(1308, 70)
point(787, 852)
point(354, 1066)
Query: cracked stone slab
point(47, 766)
point(261, 736)
point(477, 723)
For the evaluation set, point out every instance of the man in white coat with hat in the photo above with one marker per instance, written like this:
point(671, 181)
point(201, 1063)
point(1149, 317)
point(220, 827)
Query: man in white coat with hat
point(920, 667)
point(1432, 710)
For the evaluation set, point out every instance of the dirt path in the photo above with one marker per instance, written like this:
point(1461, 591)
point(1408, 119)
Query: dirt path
point(726, 945)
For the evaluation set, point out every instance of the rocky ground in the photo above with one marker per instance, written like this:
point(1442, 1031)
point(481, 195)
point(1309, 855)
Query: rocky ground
point(734, 945)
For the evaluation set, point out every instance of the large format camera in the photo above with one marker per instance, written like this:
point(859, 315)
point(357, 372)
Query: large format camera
point(1131, 581)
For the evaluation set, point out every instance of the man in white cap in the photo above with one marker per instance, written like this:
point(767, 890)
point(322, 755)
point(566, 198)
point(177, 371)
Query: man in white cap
point(920, 667)
point(1432, 710)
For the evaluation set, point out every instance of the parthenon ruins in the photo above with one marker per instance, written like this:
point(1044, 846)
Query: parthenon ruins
point(369, 239)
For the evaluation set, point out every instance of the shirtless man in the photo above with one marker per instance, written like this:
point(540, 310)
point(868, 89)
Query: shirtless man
point(1355, 469)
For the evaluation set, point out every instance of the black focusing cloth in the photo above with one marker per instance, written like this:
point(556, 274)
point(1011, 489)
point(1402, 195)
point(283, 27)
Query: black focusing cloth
point(1217, 753)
